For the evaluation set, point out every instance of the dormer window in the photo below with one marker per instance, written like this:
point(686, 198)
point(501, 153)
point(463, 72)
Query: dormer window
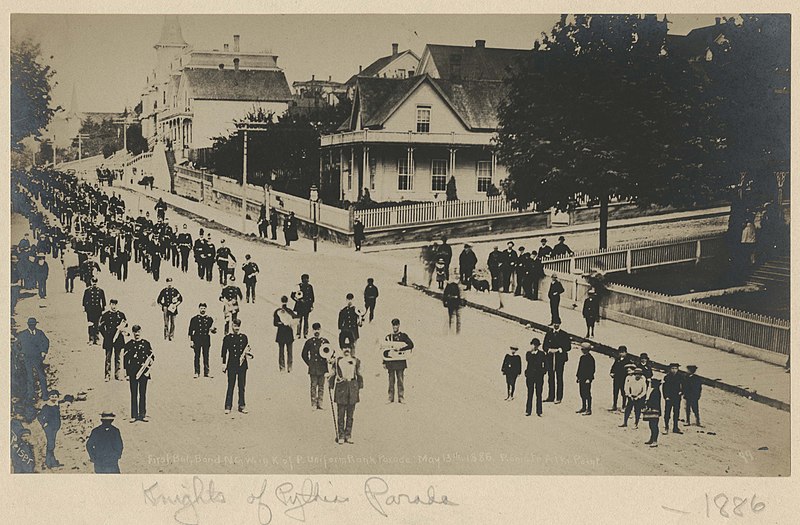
point(423, 119)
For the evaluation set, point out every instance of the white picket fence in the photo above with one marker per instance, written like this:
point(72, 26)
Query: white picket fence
point(425, 212)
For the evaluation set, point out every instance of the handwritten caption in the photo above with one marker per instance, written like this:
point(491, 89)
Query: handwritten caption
point(721, 505)
point(286, 499)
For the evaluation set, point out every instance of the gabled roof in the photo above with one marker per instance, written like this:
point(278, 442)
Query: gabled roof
point(477, 63)
point(475, 103)
point(373, 69)
point(229, 84)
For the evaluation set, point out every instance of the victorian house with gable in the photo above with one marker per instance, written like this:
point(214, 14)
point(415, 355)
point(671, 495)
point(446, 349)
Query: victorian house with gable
point(406, 137)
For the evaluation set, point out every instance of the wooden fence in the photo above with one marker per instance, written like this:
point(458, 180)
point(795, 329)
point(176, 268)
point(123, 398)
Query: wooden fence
point(627, 258)
point(426, 212)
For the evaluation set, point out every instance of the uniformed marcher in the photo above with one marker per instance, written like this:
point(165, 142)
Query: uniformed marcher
point(199, 258)
point(349, 321)
point(113, 326)
point(169, 299)
point(50, 418)
point(370, 298)
point(235, 352)
point(33, 346)
point(139, 358)
point(303, 304)
point(201, 326)
point(585, 376)
point(619, 375)
point(94, 302)
point(250, 272)
point(209, 254)
point(230, 295)
point(283, 319)
point(317, 365)
point(184, 243)
point(396, 369)
point(226, 262)
point(105, 445)
point(557, 345)
point(346, 382)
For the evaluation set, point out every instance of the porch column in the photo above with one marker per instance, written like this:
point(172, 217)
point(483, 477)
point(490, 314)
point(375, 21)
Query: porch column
point(494, 164)
point(341, 171)
point(451, 166)
point(365, 169)
point(350, 168)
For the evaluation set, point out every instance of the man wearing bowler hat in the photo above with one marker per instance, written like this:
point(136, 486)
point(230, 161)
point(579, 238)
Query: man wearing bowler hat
point(534, 375)
point(105, 445)
point(557, 345)
point(585, 376)
point(33, 346)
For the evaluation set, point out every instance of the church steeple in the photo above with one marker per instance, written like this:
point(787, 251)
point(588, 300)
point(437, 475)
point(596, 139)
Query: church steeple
point(171, 35)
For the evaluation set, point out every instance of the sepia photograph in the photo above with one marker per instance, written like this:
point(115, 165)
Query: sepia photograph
point(399, 244)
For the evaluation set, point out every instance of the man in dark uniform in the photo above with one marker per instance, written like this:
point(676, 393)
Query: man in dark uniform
point(33, 345)
point(397, 369)
point(348, 324)
point(155, 253)
point(692, 389)
point(230, 295)
point(199, 258)
point(303, 305)
point(346, 381)
point(161, 208)
point(184, 243)
point(557, 345)
point(585, 376)
point(88, 269)
point(94, 302)
point(554, 294)
point(235, 351)
point(138, 360)
point(200, 330)
point(467, 261)
point(209, 256)
point(317, 365)
point(250, 271)
point(113, 338)
point(619, 374)
point(169, 299)
point(281, 319)
point(226, 262)
point(50, 418)
point(105, 446)
point(672, 391)
point(535, 368)
point(370, 298)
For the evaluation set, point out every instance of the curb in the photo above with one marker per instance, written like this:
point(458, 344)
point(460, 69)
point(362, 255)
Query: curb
point(611, 352)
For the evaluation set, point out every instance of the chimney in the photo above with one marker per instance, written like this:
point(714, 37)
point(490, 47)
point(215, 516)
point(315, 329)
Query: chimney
point(394, 49)
point(312, 77)
point(236, 43)
point(718, 20)
point(481, 44)
point(225, 47)
point(329, 78)
point(359, 69)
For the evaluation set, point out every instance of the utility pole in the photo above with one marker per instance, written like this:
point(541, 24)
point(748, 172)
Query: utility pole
point(80, 138)
point(245, 126)
point(125, 122)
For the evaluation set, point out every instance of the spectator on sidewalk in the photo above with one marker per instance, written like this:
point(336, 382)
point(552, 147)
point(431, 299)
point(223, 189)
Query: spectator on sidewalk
point(445, 251)
point(50, 418)
point(358, 234)
point(554, 295)
point(509, 262)
point(42, 271)
point(467, 261)
point(561, 249)
point(105, 445)
point(290, 229)
point(545, 251)
point(33, 346)
point(495, 264)
point(619, 374)
point(591, 312)
point(273, 223)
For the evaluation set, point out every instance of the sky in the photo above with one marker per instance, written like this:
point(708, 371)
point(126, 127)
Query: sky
point(108, 57)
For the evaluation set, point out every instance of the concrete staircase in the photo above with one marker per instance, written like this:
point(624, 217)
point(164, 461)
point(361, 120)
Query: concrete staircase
point(773, 273)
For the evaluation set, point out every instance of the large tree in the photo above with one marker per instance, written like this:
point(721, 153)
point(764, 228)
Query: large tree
point(599, 110)
point(31, 82)
point(285, 154)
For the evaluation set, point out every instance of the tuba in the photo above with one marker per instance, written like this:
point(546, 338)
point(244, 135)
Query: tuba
point(297, 295)
point(326, 351)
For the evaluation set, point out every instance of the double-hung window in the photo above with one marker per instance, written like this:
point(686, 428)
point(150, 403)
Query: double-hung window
point(438, 175)
point(405, 175)
point(484, 175)
point(423, 119)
